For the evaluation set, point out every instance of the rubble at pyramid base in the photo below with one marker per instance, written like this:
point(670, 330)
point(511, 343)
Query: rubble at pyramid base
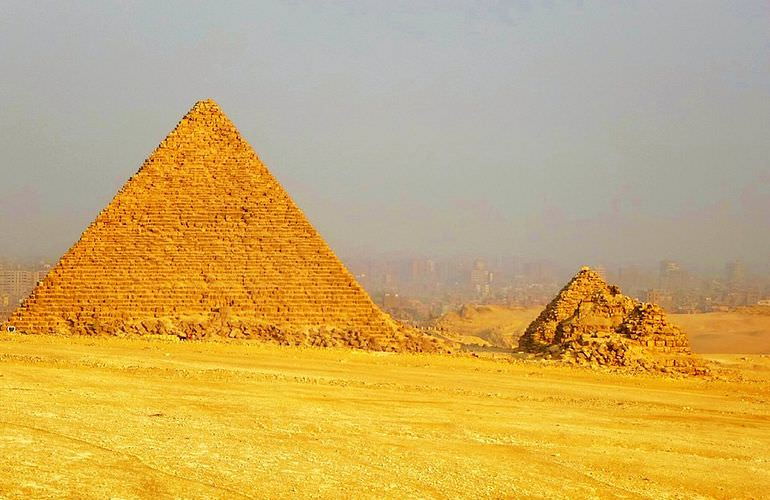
point(592, 323)
point(396, 339)
point(615, 350)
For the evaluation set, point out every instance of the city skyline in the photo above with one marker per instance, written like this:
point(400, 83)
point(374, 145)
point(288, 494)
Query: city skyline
point(417, 288)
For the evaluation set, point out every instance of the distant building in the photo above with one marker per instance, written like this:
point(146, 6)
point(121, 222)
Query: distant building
point(538, 272)
point(389, 281)
point(422, 268)
point(481, 278)
point(423, 278)
point(391, 301)
point(634, 281)
point(735, 275)
point(660, 297)
point(670, 275)
point(16, 282)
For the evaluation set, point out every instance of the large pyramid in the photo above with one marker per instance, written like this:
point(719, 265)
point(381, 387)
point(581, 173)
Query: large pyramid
point(591, 322)
point(204, 241)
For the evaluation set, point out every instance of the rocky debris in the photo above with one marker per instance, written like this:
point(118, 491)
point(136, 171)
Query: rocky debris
point(404, 339)
point(590, 322)
point(203, 242)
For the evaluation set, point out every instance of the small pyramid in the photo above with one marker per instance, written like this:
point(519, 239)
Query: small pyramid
point(591, 322)
point(204, 241)
point(541, 333)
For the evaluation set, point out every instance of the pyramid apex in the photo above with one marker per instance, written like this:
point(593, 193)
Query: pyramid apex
point(586, 271)
point(587, 280)
point(205, 105)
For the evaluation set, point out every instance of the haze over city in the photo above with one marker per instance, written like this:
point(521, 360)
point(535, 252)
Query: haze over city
point(572, 131)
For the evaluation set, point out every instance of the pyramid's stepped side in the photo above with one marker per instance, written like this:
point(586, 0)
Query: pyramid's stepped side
point(541, 333)
point(590, 322)
point(204, 240)
point(647, 324)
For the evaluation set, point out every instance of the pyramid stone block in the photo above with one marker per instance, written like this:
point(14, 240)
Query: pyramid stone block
point(204, 241)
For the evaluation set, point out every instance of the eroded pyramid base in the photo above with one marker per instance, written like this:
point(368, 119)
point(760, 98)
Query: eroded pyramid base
point(615, 350)
point(392, 338)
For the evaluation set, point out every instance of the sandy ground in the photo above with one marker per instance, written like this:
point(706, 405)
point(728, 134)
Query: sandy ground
point(733, 332)
point(153, 419)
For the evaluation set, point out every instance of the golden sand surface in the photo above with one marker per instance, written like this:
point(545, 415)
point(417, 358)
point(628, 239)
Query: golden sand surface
point(735, 331)
point(145, 418)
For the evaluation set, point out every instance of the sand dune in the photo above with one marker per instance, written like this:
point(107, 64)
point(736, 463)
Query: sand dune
point(726, 332)
point(488, 324)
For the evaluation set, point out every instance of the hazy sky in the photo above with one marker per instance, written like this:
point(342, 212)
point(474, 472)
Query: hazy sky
point(577, 131)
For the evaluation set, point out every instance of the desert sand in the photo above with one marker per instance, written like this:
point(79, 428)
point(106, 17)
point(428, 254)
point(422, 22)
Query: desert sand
point(147, 418)
point(726, 332)
point(486, 325)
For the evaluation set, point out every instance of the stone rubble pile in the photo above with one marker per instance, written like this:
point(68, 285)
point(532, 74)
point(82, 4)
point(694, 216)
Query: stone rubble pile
point(203, 242)
point(590, 322)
